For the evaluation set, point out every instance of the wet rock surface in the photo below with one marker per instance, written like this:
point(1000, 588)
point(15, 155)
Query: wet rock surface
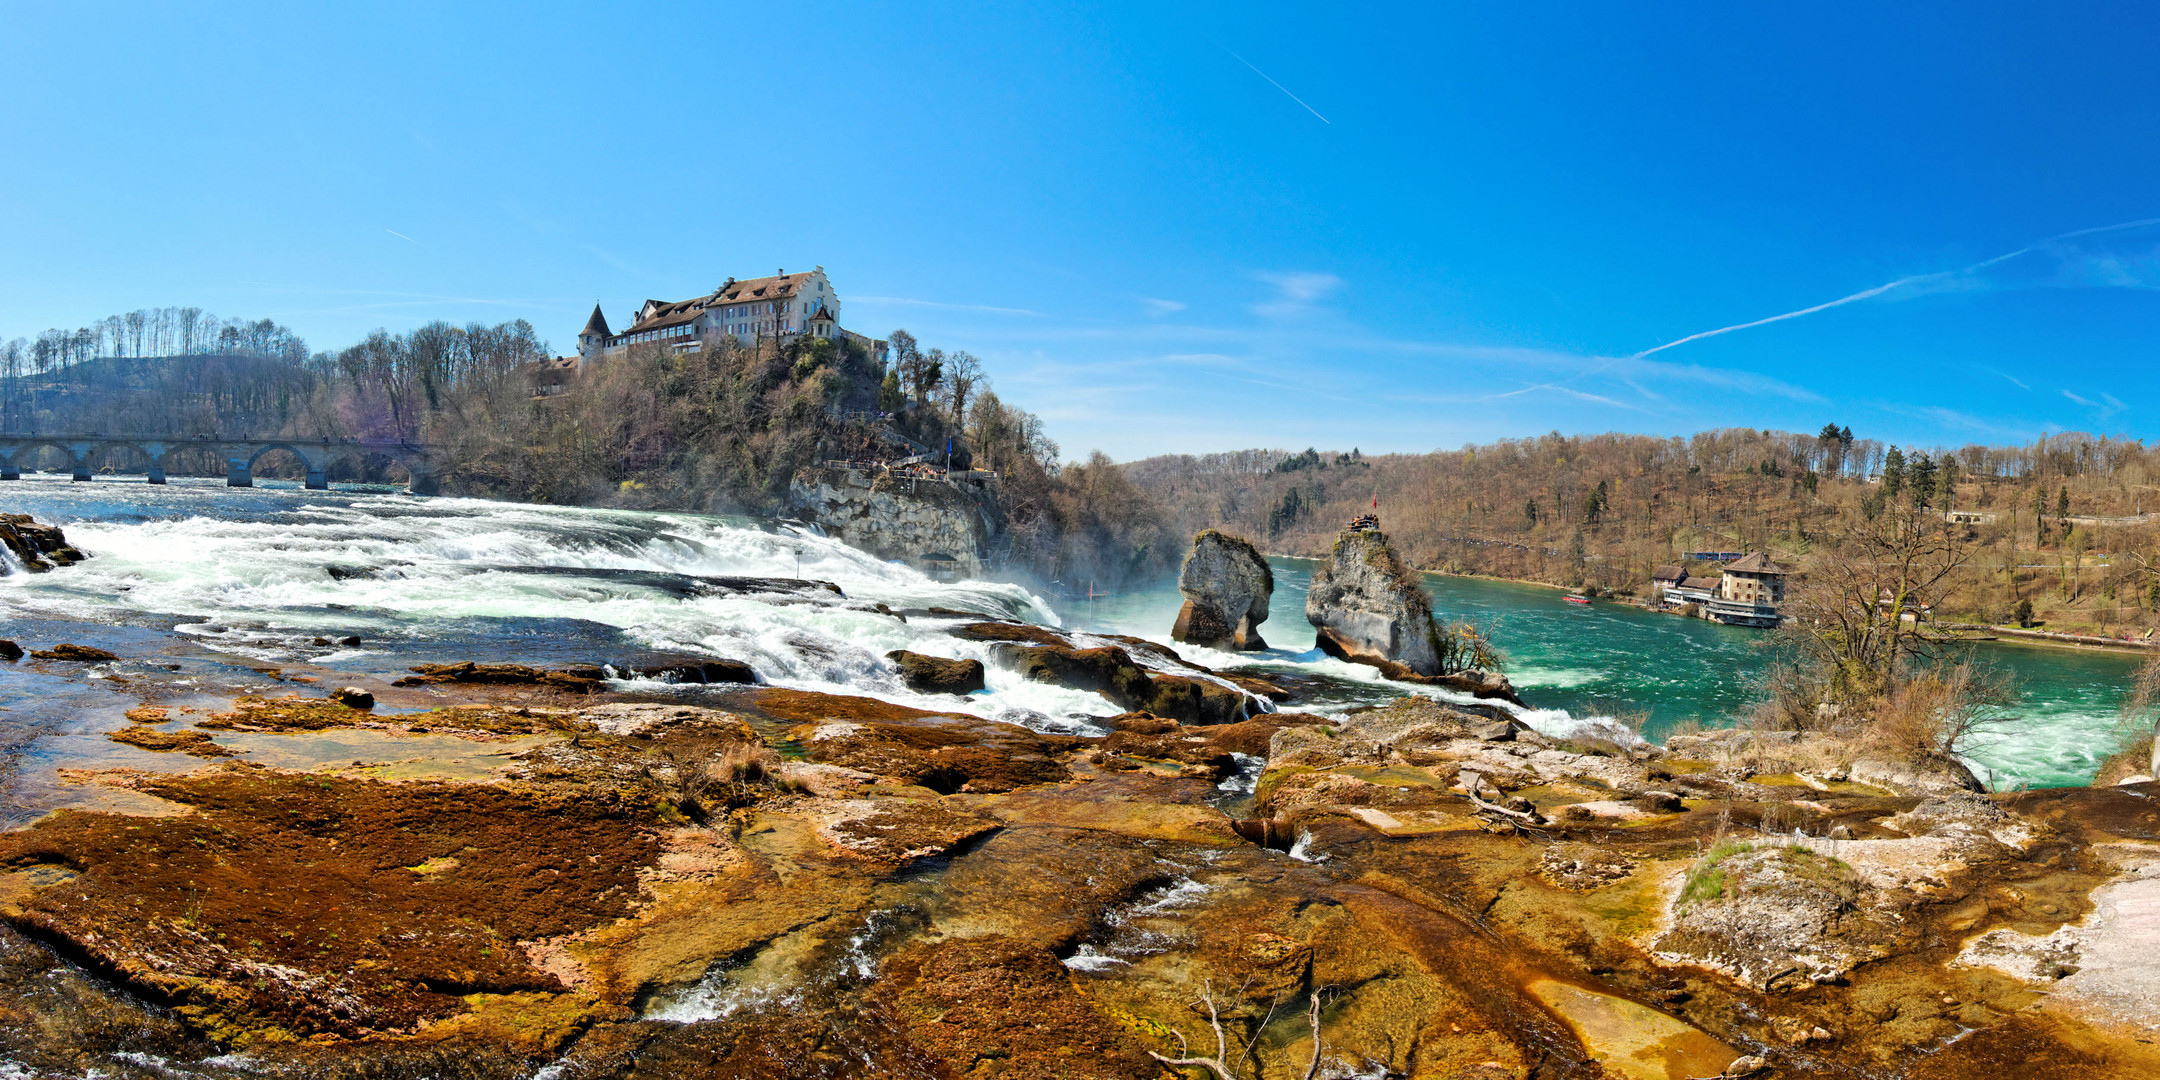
point(937, 674)
point(807, 885)
point(36, 547)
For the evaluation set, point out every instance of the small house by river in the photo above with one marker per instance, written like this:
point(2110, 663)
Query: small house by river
point(1748, 593)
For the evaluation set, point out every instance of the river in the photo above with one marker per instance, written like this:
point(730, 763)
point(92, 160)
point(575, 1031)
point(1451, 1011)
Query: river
point(276, 575)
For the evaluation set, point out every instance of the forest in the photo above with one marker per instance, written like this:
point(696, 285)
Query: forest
point(719, 429)
point(2058, 523)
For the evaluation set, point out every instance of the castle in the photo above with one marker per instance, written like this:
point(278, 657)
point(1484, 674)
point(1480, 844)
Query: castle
point(774, 309)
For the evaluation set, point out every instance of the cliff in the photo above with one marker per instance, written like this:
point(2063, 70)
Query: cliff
point(922, 522)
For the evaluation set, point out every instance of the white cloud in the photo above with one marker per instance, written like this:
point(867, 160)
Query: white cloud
point(1302, 287)
point(1295, 294)
point(1160, 308)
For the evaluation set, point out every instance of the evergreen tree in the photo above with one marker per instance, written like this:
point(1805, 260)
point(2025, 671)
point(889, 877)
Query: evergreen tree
point(1594, 504)
point(1893, 472)
point(1920, 480)
point(1831, 442)
point(2062, 505)
point(1530, 511)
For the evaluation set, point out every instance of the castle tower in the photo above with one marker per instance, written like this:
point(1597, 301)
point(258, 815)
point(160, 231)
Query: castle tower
point(592, 341)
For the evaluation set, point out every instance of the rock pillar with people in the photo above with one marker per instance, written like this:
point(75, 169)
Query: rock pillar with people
point(1367, 606)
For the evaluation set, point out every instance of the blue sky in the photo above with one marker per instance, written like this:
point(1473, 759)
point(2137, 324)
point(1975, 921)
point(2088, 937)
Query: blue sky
point(1163, 227)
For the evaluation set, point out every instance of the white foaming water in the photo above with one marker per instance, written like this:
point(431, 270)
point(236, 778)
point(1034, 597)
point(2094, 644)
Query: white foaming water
point(1558, 723)
point(253, 574)
point(394, 567)
point(1091, 959)
point(1302, 850)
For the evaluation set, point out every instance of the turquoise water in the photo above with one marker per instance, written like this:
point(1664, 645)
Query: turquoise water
point(249, 573)
point(1613, 660)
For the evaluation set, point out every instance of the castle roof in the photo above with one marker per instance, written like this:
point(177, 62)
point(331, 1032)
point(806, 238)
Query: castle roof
point(661, 314)
point(765, 288)
point(597, 324)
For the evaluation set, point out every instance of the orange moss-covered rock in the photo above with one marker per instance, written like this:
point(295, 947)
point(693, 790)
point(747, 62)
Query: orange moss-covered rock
point(289, 905)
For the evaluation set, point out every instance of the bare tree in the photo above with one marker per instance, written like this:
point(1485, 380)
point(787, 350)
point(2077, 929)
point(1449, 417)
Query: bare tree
point(962, 373)
point(1861, 613)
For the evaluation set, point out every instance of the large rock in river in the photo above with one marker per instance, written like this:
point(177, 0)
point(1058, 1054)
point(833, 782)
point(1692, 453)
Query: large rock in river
point(1226, 583)
point(937, 674)
point(1369, 607)
point(35, 546)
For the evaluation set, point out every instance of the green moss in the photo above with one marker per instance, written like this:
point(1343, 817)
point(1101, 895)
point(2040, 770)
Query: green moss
point(1831, 874)
point(1706, 879)
point(1264, 788)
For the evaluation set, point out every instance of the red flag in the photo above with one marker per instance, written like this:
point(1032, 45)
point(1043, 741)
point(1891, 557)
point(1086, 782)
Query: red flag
point(1376, 502)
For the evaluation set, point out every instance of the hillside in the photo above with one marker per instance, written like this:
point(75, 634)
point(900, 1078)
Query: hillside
point(722, 429)
point(2055, 523)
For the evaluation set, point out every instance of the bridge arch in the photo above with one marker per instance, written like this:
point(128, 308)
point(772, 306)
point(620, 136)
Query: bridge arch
point(15, 453)
point(100, 453)
point(240, 464)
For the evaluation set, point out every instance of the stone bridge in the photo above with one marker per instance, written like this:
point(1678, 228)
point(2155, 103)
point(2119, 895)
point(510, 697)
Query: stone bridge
point(84, 451)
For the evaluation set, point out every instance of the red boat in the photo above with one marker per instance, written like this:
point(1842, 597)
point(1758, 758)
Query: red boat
point(1574, 599)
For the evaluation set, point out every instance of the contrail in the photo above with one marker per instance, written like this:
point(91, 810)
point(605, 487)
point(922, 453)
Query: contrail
point(404, 237)
point(1279, 86)
point(1881, 289)
point(1861, 295)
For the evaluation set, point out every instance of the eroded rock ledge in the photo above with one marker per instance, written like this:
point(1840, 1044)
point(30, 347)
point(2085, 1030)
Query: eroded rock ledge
point(817, 886)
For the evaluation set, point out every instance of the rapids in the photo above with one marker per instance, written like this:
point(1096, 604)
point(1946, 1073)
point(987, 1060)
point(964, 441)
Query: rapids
point(279, 575)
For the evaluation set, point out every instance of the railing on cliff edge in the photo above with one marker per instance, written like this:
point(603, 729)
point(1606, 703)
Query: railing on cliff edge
point(910, 469)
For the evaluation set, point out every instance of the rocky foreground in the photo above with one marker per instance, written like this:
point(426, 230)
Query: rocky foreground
point(804, 885)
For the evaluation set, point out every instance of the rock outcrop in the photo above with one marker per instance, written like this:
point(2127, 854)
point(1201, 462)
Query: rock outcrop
point(582, 680)
point(1227, 586)
point(1368, 606)
point(926, 523)
point(36, 547)
point(1187, 693)
point(74, 654)
point(937, 674)
point(1226, 583)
